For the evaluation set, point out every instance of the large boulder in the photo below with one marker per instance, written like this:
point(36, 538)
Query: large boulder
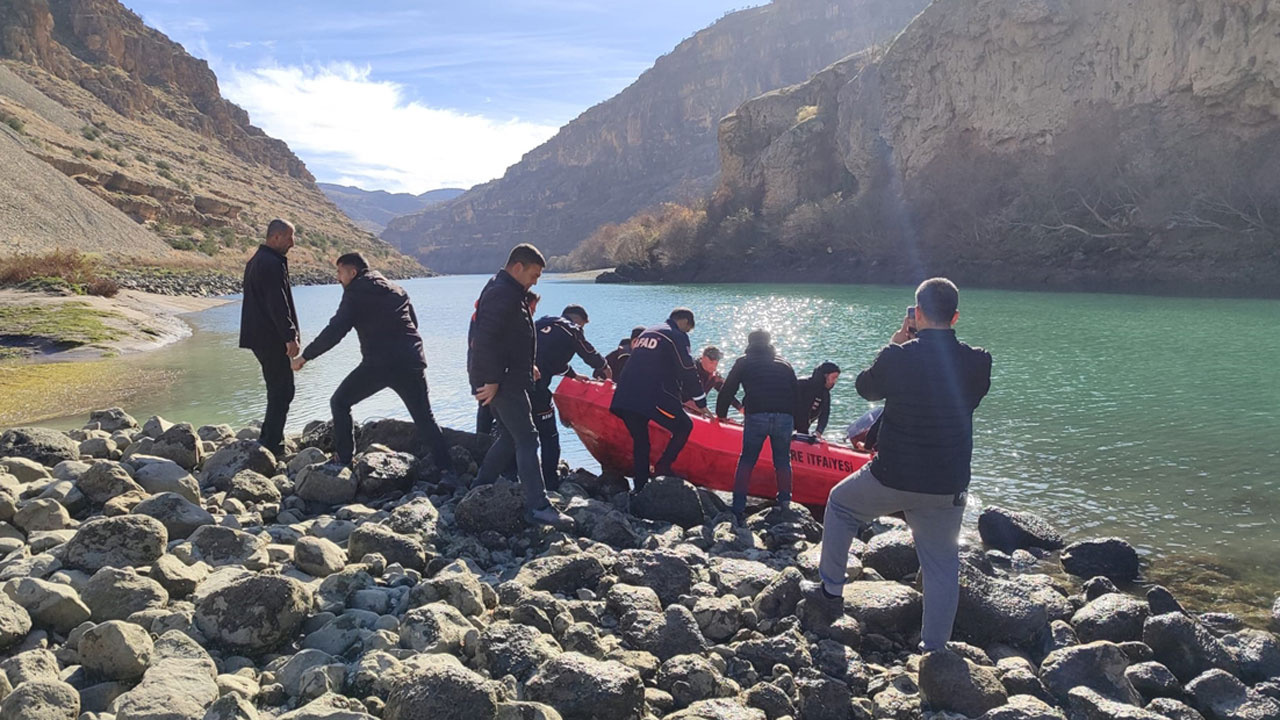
point(993, 610)
point(116, 650)
point(379, 473)
point(1220, 696)
point(396, 548)
point(180, 516)
point(1009, 530)
point(1185, 646)
point(123, 541)
point(106, 479)
point(1152, 679)
point(457, 584)
point(669, 499)
point(691, 678)
point(218, 546)
point(180, 444)
point(158, 475)
point(416, 517)
point(50, 605)
point(1256, 652)
point(41, 700)
point(664, 635)
point(718, 709)
point(47, 447)
point(1098, 665)
point(564, 574)
point(514, 649)
point(15, 622)
point(949, 682)
point(442, 690)
point(116, 593)
point(318, 556)
point(892, 554)
point(498, 507)
point(1114, 616)
point(884, 607)
point(741, 578)
point(230, 459)
point(435, 628)
point(1085, 703)
point(1024, 707)
point(1111, 558)
point(254, 613)
point(581, 688)
point(788, 648)
point(112, 420)
point(171, 689)
point(666, 572)
point(251, 487)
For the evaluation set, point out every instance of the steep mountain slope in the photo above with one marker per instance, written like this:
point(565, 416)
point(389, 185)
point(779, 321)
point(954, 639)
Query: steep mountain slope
point(373, 209)
point(654, 141)
point(1081, 144)
point(92, 92)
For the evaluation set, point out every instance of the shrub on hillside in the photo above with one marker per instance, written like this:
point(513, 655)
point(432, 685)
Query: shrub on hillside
point(665, 235)
point(57, 270)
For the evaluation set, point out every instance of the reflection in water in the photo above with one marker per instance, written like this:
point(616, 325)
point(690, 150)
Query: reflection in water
point(1150, 418)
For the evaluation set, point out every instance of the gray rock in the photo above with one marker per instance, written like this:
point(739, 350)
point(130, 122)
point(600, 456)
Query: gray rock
point(668, 499)
point(1009, 530)
point(771, 700)
point(15, 622)
point(219, 546)
point(178, 645)
point(47, 447)
point(1275, 616)
point(1024, 681)
point(1111, 558)
point(581, 688)
point(513, 649)
point(180, 516)
point(993, 610)
point(718, 618)
point(892, 554)
point(1220, 696)
point(788, 648)
point(306, 456)
point(42, 515)
point(103, 448)
point(339, 634)
point(717, 709)
point(1153, 680)
point(1098, 666)
point(564, 574)
point(436, 628)
point(379, 473)
point(520, 710)
point(112, 420)
point(231, 459)
point(117, 593)
point(317, 556)
point(50, 605)
point(176, 577)
point(155, 426)
point(739, 577)
point(25, 470)
point(1173, 709)
point(498, 507)
point(115, 650)
point(291, 674)
point(1024, 707)
point(180, 444)
point(253, 614)
point(380, 539)
point(1185, 646)
point(171, 689)
point(41, 700)
point(1087, 704)
point(416, 517)
point(326, 484)
point(38, 664)
point(667, 573)
point(822, 698)
point(1256, 652)
point(664, 635)
point(252, 487)
point(456, 584)
point(106, 479)
point(883, 607)
point(442, 690)
point(690, 678)
point(231, 707)
point(125, 541)
point(1161, 601)
point(1114, 616)
point(159, 475)
point(623, 598)
point(949, 682)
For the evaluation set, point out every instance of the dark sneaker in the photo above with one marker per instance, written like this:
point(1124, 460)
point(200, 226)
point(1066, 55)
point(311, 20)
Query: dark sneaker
point(551, 517)
point(819, 603)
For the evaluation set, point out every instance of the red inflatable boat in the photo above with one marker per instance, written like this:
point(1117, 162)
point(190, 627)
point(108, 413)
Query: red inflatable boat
point(710, 457)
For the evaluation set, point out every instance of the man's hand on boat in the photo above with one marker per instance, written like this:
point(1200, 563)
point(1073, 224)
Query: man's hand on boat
point(486, 393)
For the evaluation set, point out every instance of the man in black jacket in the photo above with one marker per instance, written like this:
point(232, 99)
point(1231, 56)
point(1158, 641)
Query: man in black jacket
point(501, 347)
point(769, 385)
point(931, 386)
point(559, 339)
point(708, 364)
point(658, 379)
point(617, 359)
point(391, 356)
point(813, 398)
point(269, 327)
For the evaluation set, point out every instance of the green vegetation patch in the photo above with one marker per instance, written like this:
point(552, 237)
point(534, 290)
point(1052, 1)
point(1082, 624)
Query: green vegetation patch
point(62, 326)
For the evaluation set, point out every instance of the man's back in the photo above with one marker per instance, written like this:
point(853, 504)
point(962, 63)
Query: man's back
point(660, 372)
point(268, 319)
point(931, 386)
point(768, 383)
point(384, 321)
point(559, 339)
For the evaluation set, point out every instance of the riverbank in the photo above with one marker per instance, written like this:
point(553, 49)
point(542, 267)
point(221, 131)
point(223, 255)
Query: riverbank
point(193, 568)
point(56, 349)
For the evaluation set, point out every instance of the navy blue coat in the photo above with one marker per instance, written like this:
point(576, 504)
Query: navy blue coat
point(383, 319)
point(501, 342)
point(660, 375)
point(559, 340)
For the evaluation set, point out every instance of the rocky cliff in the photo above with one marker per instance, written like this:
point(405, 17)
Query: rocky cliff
point(373, 209)
point(94, 93)
point(1045, 143)
point(655, 141)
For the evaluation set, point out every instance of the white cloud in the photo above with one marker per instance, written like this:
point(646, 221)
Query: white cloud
point(347, 126)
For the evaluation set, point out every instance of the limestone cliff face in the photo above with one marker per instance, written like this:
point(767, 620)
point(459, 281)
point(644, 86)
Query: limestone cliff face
point(653, 142)
point(1071, 143)
point(89, 89)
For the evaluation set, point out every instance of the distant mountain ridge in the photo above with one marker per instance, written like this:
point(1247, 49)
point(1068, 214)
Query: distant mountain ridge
point(655, 141)
point(373, 209)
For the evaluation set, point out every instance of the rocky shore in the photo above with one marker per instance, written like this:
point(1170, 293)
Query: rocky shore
point(166, 572)
point(214, 283)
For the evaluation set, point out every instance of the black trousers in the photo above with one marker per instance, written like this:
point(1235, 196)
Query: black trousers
point(544, 420)
point(638, 425)
point(278, 376)
point(410, 383)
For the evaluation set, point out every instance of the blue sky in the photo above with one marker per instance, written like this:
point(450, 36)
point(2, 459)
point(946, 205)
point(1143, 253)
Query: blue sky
point(412, 96)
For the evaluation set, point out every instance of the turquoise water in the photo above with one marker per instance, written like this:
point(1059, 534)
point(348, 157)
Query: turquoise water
point(1156, 419)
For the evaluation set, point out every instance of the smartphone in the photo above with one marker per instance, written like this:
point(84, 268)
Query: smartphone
point(911, 320)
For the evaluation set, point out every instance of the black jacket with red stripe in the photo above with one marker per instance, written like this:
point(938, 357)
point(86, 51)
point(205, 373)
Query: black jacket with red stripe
point(660, 375)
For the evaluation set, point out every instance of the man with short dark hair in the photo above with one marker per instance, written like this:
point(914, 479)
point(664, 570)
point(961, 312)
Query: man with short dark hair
point(391, 357)
point(617, 360)
point(813, 398)
point(708, 364)
point(930, 386)
point(769, 386)
point(269, 327)
point(658, 379)
point(501, 349)
point(559, 339)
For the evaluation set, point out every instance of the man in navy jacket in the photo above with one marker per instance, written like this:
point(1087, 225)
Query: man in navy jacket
point(657, 380)
point(559, 339)
point(269, 327)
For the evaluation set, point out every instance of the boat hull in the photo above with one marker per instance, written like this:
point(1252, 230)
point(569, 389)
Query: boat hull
point(711, 455)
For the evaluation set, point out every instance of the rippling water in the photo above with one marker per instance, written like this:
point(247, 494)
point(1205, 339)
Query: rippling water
point(1156, 419)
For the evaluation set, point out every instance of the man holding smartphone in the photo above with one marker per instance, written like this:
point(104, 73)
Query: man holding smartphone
point(930, 384)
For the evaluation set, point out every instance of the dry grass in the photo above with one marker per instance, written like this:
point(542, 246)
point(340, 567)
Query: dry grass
point(57, 270)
